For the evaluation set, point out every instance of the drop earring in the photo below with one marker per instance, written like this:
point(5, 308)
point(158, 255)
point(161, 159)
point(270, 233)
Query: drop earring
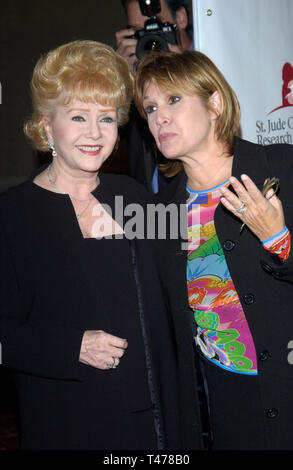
point(51, 146)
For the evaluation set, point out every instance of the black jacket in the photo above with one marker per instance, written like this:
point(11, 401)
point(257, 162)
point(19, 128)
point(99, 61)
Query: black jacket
point(54, 285)
point(262, 281)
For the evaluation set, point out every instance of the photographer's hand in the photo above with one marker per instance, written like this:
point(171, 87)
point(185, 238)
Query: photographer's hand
point(126, 46)
point(175, 48)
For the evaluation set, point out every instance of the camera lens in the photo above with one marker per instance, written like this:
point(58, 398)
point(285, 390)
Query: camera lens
point(152, 46)
point(151, 42)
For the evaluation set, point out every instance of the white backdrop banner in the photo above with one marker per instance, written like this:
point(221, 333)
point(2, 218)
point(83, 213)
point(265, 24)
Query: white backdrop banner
point(251, 42)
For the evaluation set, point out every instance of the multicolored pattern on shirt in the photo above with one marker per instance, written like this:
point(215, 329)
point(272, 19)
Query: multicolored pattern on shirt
point(222, 331)
point(280, 244)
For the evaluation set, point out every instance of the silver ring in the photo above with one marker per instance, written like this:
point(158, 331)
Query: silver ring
point(241, 209)
point(112, 366)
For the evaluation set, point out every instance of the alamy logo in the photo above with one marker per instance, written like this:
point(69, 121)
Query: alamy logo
point(134, 221)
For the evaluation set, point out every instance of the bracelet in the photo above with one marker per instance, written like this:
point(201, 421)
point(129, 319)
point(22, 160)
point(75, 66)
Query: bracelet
point(275, 237)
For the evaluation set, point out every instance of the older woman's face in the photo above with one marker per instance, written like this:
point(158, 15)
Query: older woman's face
point(180, 124)
point(84, 134)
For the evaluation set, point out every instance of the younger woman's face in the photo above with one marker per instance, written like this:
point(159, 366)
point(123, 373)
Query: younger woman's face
point(180, 124)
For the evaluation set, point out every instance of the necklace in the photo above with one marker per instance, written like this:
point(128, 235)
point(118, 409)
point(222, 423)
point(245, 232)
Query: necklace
point(54, 185)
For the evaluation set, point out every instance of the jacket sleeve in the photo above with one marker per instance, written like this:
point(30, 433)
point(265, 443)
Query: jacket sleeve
point(279, 269)
point(280, 160)
point(26, 347)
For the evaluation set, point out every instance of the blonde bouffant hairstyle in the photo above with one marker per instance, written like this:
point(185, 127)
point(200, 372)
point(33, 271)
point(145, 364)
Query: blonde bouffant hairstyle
point(88, 71)
point(190, 73)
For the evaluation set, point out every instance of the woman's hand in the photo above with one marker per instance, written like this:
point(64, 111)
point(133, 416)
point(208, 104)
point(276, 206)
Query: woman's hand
point(101, 350)
point(263, 215)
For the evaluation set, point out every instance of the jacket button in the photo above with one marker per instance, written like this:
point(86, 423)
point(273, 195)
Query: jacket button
point(267, 268)
point(249, 299)
point(228, 245)
point(264, 355)
point(272, 413)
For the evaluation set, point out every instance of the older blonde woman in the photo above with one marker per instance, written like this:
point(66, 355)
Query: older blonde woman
point(231, 290)
point(82, 321)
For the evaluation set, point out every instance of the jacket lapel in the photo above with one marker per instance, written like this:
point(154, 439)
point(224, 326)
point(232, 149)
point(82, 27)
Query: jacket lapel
point(250, 159)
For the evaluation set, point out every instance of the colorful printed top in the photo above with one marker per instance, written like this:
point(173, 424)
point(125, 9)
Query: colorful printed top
point(222, 331)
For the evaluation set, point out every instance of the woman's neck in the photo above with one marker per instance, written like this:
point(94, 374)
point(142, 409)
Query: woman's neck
point(78, 184)
point(208, 170)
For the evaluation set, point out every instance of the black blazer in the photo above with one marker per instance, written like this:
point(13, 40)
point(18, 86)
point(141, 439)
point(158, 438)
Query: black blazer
point(263, 283)
point(54, 285)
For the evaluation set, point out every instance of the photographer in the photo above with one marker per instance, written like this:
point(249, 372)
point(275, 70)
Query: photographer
point(172, 11)
point(142, 154)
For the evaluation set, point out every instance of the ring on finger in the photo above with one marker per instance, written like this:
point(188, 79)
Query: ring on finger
point(241, 209)
point(113, 365)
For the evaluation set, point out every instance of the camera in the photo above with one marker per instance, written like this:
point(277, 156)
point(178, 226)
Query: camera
point(156, 35)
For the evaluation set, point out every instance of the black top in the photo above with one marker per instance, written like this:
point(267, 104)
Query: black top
point(55, 284)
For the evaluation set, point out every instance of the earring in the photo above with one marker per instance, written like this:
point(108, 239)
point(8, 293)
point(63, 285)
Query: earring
point(51, 146)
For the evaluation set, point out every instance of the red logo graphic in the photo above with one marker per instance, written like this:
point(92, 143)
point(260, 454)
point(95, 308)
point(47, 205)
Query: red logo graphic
point(287, 89)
